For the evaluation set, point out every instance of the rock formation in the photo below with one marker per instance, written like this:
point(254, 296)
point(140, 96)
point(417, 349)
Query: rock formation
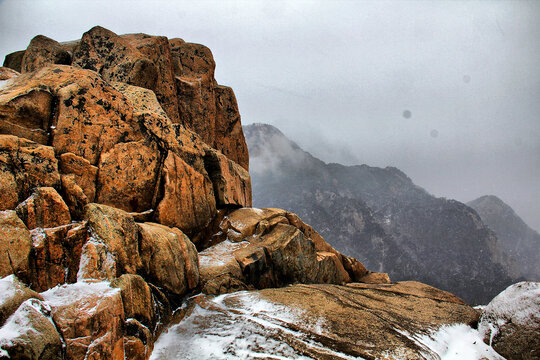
point(125, 191)
point(381, 217)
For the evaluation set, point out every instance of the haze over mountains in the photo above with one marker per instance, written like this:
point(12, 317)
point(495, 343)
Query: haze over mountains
point(381, 217)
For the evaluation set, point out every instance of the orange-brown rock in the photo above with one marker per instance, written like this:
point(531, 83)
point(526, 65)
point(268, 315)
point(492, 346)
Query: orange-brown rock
point(118, 232)
point(84, 173)
point(7, 73)
point(321, 321)
point(128, 175)
point(90, 318)
point(56, 253)
point(173, 137)
point(169, 258)
point(138, 340)
point(188, 201)
point(157, 50)
point(136, 298)
point(14, 60)
point(229, 136)
point(264, 249)
point(13, 294)
point(29, 334)
point(206, 108)
point(43, 51)
point(232, 183)
point(375, 278)
point(45, 208)
point(137, 59)
point(15, 245)
point(73, 195)
point(24, 165)
point(86, 118)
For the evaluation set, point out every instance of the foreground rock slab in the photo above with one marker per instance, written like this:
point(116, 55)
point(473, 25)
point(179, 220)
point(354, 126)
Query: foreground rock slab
point(314, 321)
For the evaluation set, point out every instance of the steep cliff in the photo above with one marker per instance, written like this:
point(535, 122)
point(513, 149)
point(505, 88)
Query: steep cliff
point(381, 217)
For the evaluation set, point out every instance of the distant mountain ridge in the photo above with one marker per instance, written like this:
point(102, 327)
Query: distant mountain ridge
point(380, 217)
point(515, 236)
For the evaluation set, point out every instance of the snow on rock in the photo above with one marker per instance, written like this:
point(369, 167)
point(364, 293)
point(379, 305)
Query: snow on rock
point(12, 294)
point(237, 326)
point(90, 316)
point(30, 333)
point(458, 342)
point(511, 321)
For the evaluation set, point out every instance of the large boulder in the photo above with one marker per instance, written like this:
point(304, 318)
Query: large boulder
point(188, 198)
point(136, 59)
point(315, 321)
point(116, 232)
point(15, 245)
point(24, 165)
point(511, 322)
point(169, 258)
point(30, 334)
point(56, 254)
point(269, 248)
point(12, 294)
point(45, 208)
point(43, 51)
point(90, 318)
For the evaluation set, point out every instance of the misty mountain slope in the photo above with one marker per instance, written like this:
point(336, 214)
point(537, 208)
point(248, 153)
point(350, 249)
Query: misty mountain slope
point(515, 236)
point(380, 217)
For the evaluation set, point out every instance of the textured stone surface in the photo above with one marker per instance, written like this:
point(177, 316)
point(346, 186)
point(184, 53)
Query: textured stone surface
point(90, 319)
point(118, 232)
point(14, 293)
point(128, 175)
point(315, 321)
point(136, 298)
point(24, 165)
point(232, 183)
point(84, 174)
point(45, 208)
point(56, 254)
point(30, 334)
point(511, 321)
point(7, 73)
point(265, 249)
point(15, 245)
point(14, 60)
point(188, 199)
point(169, 258)
point(136, 59)
point(43, 51)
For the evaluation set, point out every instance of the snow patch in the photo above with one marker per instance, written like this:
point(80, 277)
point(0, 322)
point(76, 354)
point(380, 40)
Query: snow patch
point(458, 342)
point(4, 83)
point(8, 288)
point(219, 254)
point(81, 292)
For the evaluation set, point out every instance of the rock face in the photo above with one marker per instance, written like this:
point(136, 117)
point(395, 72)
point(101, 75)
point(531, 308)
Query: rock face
point(381, 217)
point(271, 248)
point(515, 237)
point(511, 322)
point(314, 321)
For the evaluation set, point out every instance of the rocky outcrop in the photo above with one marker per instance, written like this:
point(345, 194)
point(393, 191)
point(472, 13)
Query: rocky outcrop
point(315, 321)
point(45, 208)
point(380, 217)
point(271, 248)
point(511, 322)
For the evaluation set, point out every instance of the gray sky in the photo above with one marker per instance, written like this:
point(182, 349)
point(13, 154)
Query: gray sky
point(449, 92)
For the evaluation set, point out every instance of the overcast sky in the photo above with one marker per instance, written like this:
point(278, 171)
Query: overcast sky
point(449, 92)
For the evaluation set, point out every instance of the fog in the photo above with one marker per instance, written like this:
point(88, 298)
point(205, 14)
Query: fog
point(449, 92)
